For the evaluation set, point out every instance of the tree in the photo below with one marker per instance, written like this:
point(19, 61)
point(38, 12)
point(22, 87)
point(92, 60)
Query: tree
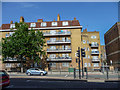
point(24, 43)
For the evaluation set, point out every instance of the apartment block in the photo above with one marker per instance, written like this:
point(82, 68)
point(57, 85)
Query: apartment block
point(62, 41)
point(112, 45)
point(91, 44)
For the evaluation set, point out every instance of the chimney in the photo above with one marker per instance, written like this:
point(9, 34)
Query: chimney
point(53, 19)
point(85, 30)
point(11, 22)
point(21, 19)
point(74, 18)
point(58, 17)
point(40, 20)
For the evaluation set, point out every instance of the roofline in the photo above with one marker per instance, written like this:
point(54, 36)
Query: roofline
point(111, 28)
point(69, 27)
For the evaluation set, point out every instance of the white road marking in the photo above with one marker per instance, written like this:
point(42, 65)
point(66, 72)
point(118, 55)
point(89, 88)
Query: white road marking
point(28, 80)
point(10, 86)
point(66, 75)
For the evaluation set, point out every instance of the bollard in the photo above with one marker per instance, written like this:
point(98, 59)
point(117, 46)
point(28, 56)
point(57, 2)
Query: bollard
point(74, 73)
point(86, 73)
point(107, 73)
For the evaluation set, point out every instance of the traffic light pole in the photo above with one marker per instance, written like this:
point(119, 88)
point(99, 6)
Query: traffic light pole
point(79, 66)
point(82, 67)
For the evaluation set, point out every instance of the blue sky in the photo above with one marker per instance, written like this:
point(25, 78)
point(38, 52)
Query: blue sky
point(95, 16)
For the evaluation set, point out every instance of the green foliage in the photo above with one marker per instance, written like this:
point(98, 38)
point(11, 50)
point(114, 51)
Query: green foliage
point(24, 43)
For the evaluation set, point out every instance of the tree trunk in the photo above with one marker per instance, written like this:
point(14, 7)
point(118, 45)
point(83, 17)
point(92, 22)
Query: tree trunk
point(21, 64)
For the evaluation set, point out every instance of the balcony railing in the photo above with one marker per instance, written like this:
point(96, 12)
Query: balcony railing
point(95, 52)
point(59, 50)
point(58, 42)
point(94, 45)
point(56, 33)
point(96, 60)
point(60, 59)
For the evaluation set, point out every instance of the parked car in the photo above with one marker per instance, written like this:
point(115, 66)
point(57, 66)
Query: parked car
point(35, 71)
point(4, 77)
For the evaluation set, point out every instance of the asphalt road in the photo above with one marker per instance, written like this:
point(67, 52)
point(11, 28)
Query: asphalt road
point(58, 84)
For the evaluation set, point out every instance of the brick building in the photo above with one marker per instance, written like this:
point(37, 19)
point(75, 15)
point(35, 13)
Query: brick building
point(112, 45)
point(62, 41)
point(91, 44)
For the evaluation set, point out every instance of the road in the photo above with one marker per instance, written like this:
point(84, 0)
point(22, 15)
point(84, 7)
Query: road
point(58, 84)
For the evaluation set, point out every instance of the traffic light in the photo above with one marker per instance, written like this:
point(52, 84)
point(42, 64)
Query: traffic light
point(78, 53)
point(82, 52)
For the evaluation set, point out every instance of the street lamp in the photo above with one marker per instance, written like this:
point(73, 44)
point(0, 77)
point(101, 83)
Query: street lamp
point(111, 62)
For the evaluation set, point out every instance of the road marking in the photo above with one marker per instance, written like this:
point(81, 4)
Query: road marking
point(28, 80)
point(10, 86)
point(66, 75)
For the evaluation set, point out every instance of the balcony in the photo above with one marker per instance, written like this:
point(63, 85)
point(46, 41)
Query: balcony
point(12, 60)
point(59, 50)
point(59, 42)
point(95, 60)
point(60, 59)
point(95, 52)
point(94, 45)
point(57, 33)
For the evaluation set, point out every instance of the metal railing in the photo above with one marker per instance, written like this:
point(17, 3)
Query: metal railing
point(60, 59)
point(58, 41)
point(95, 52)
point(94, 45)
point(56, 33)
point(95, 60)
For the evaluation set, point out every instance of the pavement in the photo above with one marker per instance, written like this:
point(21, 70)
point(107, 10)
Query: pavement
point(92, 76)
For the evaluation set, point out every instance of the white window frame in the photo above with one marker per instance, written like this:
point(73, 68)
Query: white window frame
point(89, 65)
point(8, 65)
point(65, 64)
point(88, 56)
point(12, 25)
point(95, 64)
point(53, 64)
point(54, 23)
point(84, 41)
point(85, 64)
point(43, 24)
point(93, 37)
point(65, 23)
point(33, 25)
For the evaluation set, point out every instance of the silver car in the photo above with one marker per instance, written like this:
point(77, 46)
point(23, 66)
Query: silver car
point(35, 71)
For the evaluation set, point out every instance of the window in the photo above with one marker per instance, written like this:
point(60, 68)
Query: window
point(11, 33)
point(12, 25)
point(53, 64)
point(85, 64)
point(95, 65)
point(54, 23)
point(84, 41)
point(8, 65)
point(52, 47)
point(93, 37)
point(43, 24)
point(52, 39)
point(65, 23)
point(89, 65)
point(88, 56)
point(33, 25)
point(52, 55)
point(84, 48)
point(87, 41)
point(88, 49)
point(65, 64)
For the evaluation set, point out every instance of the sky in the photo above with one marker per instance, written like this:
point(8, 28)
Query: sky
point(95, 16)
